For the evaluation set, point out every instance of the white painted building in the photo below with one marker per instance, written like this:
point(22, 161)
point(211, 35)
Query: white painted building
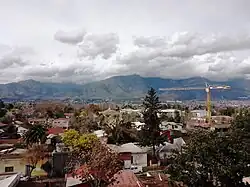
point(165, 125)
point(169, 112)
point(198, 113)
point(61, 122)
point(131, 154)
point(138, 125)
point(138, 155)
point(166, 150)
point(21, 130)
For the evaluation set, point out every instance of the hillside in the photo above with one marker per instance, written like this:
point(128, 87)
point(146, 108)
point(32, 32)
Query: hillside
point(121, 87)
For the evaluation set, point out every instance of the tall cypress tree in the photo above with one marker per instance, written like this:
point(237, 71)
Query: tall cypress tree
point(150, 132)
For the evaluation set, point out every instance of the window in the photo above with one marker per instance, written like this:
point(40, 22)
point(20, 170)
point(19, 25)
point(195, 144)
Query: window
point(9, 169)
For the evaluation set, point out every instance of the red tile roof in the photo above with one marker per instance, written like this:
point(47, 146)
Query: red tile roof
point(56, 130)
point(3, 124)
point(126, 178)
point(11, 141)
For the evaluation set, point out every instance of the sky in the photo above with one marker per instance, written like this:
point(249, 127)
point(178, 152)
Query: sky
point(86, 40)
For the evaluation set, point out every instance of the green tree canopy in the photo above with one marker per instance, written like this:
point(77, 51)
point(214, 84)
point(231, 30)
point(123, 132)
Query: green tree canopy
point(119, 128)
point(36, 134)
point(2, 105)
point(150, 132)
point(215, 159)
point(73, 139)
point(91, 160)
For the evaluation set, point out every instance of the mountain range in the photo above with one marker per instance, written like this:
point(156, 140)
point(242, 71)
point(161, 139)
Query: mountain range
point(122, 88)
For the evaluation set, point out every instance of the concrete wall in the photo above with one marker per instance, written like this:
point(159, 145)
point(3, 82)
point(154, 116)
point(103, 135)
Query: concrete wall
point(139, 159)
point(17, 163)
point(19, 166)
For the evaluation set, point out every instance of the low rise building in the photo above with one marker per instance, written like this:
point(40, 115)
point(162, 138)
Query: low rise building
point(61, 122)
point(165, 125)
point(34, 121)
point(170, 112)
point(131, 154)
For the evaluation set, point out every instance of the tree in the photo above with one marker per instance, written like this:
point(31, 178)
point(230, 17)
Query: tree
point(35, 154)
point(177, 116)
point(36, 134)
point(11, 131)
point(229, 111)
point(3, 111)
point(84, 121)
point(2, 105)
point(90, 160)
point(211, 159)
point(241, 128)
point(73, 139)
point(150, 132)
point(119, 128)
point(9, 106)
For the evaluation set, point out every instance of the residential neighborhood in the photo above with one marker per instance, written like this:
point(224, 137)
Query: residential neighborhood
point(42, 146)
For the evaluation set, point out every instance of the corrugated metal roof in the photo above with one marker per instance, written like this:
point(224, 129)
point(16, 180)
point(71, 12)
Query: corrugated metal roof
point(11, 181)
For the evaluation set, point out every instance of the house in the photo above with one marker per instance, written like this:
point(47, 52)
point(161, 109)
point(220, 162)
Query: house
point(12, 161)
point(136, 112)
point(165, 125)
point(61, 122)
point(138, 125)
point(37, 121)
point(131, 154)
point(56, 131)
point(169, 112)
point(68, 115)
point(101, 135)
point(222, 119)
point(10, 180)
point(21, 130)
point(167, 149)
point(198, 113)
point(126, 178)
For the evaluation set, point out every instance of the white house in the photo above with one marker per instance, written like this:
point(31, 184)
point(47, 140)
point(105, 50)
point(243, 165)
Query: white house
point(101, 135)
point(169, 112)
point(131, 154)
point(165, 125)
point(198, 113)
point(166, 150)
point(138, 125)
point(61, 122)
point(21, 130)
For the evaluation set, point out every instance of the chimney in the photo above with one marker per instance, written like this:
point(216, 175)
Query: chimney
point(27, 170)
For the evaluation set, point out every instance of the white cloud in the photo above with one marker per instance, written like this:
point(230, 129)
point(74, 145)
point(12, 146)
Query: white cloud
point(188, 54)
point(108, 46)
point(72, 37)
point(104, 45)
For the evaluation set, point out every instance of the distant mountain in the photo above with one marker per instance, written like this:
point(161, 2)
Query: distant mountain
point(122, 87)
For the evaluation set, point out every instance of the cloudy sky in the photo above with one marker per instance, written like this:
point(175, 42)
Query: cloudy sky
point(85, 40)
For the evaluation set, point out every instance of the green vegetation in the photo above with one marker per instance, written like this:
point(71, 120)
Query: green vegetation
point(215, 159)
point(73, 139)
point(93, 161)
point(36, 134)
point(150, 132)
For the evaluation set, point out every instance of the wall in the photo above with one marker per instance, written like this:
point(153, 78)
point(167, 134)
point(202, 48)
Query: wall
point(139, 159)
point(64, 123)
point(19, 166)
point(17, 163)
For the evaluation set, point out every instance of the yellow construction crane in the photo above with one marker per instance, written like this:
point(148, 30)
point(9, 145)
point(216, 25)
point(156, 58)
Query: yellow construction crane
point(207, 88)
